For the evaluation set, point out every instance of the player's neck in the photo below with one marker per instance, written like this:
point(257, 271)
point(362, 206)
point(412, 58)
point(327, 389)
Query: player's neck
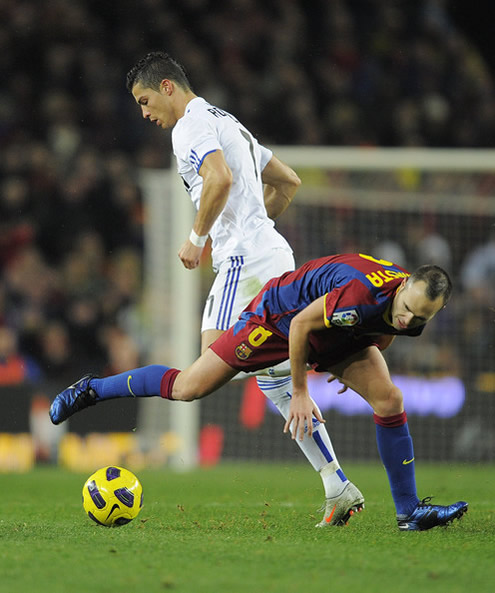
point(183, 99)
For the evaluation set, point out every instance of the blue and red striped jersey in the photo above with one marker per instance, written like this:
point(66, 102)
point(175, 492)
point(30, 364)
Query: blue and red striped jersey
point(358, 291)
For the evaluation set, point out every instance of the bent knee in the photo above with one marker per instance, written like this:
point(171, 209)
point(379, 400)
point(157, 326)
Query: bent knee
point(186, 391)
point(185, 396)
point(388, 401)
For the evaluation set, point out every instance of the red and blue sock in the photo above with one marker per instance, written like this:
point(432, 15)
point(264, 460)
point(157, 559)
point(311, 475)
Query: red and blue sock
point(148, 381)
point(396, 451)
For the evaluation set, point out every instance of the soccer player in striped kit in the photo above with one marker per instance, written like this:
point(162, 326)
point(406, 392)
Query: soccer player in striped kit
point(336, 313)
point(238, 188)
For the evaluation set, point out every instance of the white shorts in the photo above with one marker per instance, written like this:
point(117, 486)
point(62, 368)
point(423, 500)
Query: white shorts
point(239, 279)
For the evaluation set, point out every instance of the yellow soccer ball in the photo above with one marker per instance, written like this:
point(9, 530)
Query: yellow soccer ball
point(112, 496)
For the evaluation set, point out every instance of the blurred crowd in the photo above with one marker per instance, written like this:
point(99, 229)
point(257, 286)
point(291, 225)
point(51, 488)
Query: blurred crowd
point(345, 72)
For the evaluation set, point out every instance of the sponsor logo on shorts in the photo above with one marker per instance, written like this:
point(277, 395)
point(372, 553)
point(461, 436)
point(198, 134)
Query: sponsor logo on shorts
point(243, 351)
point(345, 318)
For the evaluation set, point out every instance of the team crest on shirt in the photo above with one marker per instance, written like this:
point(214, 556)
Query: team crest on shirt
point(243, 351)
point(345, 318)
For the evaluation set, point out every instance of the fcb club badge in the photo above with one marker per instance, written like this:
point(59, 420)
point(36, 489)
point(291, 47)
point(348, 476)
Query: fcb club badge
point(243, 351)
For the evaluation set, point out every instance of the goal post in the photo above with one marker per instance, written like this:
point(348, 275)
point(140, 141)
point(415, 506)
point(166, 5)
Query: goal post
point(382, 159)
point(172, 296)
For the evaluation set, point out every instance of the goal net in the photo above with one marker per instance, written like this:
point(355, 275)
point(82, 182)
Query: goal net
point(410, 206)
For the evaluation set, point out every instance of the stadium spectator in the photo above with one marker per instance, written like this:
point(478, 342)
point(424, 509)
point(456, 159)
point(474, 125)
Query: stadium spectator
point(478, 273)
point(55, 352)
point(15, 368)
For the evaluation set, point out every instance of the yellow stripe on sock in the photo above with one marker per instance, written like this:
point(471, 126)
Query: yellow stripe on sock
point(129, 385)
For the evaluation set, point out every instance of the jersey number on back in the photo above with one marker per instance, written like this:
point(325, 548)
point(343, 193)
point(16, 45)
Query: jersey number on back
point(247, 137)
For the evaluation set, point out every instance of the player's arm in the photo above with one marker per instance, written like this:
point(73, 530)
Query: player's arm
point(217, 181)
point(302, 408)
point(281, 185)
point(383, 341)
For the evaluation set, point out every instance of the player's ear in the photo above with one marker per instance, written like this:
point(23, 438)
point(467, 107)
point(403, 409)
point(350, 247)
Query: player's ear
point(166, 86)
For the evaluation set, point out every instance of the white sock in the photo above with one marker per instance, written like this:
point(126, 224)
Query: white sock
point(318, 449)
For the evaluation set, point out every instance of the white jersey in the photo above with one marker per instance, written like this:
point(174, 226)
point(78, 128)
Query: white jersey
point(243, 226)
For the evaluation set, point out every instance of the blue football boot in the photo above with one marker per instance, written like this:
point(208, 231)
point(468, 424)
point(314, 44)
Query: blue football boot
point(426, 515)
point(73, 399)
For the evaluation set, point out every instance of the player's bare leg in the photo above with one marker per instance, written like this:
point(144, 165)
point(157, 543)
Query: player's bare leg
point(207, 374)
point(366, 373)
point(208, 336)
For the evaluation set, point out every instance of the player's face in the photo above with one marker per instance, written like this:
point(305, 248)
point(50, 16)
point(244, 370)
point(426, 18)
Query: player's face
point(411, 307)
point(155, 105)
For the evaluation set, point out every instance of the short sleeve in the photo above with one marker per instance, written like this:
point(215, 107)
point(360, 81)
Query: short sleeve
point(344, 305)
point(266, 155)
point(193, 140)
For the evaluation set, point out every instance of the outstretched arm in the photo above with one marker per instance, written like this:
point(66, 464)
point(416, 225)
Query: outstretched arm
point(217, 181)
point(302, 408)
point(281, 185)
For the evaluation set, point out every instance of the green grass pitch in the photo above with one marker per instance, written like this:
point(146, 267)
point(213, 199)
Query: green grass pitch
point(244, 528)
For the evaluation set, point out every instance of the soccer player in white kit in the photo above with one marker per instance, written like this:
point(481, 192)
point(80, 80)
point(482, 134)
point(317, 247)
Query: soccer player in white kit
point(238, 187)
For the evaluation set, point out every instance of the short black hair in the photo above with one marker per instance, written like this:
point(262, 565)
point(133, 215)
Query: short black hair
point(153, 68)
point(438, 283)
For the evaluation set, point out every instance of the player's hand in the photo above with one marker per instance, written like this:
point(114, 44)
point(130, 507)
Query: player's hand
point(189, 255)
point(334, 378)
point(301, 412)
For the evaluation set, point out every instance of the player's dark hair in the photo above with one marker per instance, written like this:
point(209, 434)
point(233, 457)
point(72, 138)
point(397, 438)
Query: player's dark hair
point(438, 283)
point(155, 67)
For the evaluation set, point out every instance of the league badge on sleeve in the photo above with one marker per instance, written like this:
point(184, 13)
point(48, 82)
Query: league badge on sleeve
point(345, 318)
